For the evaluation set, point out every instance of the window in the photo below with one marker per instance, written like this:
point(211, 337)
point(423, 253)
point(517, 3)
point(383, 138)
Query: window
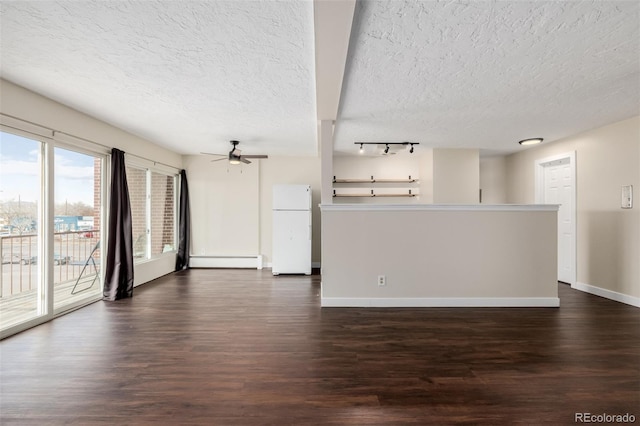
point(137, 183)
point(52, 220)
point(162, 213)
point(152, 195)
point(49, 245)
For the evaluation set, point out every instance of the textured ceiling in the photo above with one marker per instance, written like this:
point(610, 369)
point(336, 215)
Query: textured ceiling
point(188, 75)
point(488, 74)
point(192, 75)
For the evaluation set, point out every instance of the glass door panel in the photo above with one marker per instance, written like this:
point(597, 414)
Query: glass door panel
point(76, 234)
point(21, 285)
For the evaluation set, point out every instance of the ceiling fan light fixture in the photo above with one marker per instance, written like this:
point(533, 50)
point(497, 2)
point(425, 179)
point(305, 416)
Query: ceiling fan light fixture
point(531, 141)
point(235, 156)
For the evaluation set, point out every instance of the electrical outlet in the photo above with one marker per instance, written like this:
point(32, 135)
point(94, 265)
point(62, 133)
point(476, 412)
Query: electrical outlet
point(382, 280)
point(627, 197)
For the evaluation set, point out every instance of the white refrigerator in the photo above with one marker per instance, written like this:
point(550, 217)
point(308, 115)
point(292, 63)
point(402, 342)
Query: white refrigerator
point(291, 251)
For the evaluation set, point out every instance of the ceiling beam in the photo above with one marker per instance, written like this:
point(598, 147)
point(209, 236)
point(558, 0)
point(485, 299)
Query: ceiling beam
point(332, 27)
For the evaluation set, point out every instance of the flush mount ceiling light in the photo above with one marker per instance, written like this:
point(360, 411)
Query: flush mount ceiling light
point(387, 147)
point(531, 141)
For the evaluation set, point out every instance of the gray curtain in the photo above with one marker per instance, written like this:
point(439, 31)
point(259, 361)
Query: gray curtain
point(118, 281)
point(184, 224)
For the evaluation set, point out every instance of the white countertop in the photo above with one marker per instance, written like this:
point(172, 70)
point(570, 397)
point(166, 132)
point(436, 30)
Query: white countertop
point(441, 207)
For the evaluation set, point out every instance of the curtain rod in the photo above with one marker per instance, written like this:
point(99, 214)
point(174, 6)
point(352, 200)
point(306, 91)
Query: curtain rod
point(72, 139)
point(39, 130)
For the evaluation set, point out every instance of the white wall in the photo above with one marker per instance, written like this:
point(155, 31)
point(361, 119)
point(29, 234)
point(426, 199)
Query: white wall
point(425, 170)
point(23, 104)
point(446, 176)
point(398, 166)
point(225, 207)
point(493, 180)
point(439, 255)
point(456, 176)
point(608, 237)
point(26, 105)
point(231, 204)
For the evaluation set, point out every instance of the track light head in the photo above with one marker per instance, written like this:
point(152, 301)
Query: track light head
point(386, 150)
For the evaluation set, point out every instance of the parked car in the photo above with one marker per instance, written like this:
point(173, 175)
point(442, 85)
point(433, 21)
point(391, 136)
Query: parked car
point(57, 260)
point(11, 258)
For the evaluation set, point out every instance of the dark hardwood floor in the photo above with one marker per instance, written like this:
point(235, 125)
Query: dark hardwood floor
point(240, 347)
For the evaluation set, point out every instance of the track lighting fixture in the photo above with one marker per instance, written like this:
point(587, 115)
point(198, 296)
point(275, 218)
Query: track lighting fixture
point(386, 145)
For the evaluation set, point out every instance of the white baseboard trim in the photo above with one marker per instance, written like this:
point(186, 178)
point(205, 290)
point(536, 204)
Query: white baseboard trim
point(313, 265)
point(442, 302)
point(226, 261)
point(608, 294)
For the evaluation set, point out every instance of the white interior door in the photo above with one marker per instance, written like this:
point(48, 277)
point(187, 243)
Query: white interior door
point(558, 187)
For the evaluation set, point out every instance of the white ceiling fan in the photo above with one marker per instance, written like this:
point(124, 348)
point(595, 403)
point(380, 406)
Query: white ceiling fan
point(235, 155)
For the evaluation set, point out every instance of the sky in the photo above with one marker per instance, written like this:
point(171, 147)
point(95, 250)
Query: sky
point(20, 172)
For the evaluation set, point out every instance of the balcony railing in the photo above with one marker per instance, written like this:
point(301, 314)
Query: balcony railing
point(76, 253)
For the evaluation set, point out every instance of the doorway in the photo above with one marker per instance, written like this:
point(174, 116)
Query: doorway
point(556, 184)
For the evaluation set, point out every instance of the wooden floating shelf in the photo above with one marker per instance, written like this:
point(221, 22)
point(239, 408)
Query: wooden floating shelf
point(374, 195)
point(396, 180)
point(394, 195)
point(373, 180)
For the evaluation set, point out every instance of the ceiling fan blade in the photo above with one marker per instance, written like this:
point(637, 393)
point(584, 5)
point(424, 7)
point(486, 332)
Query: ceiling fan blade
point(255, 156)
point(244, 160)
point(218, 159)
point(210, 153)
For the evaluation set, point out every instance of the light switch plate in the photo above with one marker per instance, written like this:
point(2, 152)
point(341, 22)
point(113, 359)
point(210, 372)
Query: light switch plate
point(627, 197)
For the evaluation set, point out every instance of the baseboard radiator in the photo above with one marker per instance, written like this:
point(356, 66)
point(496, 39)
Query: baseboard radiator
point(226, 261)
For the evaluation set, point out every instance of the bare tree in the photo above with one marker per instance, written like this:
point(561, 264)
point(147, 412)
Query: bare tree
point(20, 216)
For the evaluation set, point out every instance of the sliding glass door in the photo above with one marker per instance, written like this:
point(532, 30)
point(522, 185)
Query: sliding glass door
point(50, 229)
point(22, 287)
point(77, 228)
